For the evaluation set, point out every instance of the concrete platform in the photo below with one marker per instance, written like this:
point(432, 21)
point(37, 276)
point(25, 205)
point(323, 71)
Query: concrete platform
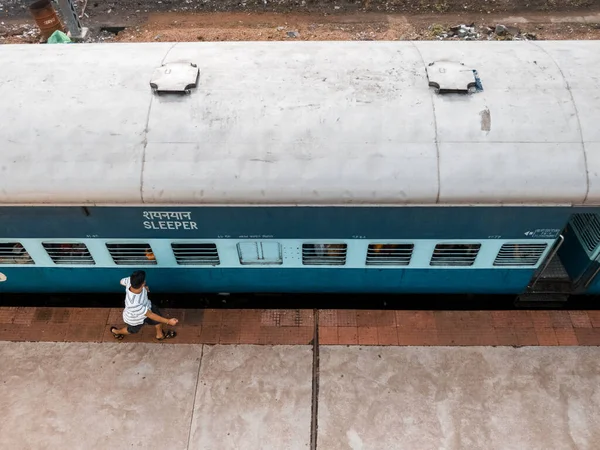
point(253, 397)
point(96, 396)
point(100, 396)
point(116, 395)
point(459, 398)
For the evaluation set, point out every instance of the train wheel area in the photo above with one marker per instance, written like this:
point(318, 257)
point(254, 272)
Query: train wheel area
point(307, 326)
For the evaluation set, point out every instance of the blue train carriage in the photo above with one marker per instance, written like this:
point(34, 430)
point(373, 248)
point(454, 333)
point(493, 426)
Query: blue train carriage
point(385, 167)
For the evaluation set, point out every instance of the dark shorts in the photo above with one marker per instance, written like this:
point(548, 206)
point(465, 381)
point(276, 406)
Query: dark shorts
point(135, 329)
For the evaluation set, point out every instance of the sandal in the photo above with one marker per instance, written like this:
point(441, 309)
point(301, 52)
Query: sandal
point(117, 336)
point(169, 334)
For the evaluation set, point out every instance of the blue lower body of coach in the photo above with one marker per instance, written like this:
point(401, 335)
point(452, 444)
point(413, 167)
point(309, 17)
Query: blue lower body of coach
point(75, 280)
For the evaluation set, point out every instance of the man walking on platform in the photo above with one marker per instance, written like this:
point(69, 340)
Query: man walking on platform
point(139, 310)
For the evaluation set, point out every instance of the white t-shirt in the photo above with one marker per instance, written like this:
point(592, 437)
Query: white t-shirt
point(136, 305)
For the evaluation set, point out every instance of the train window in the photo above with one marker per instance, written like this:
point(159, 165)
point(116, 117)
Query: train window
point(324, 254)
point(68, 253)
point(454, 254)
point(196, 254)
point(519, 254)
point(14, 253)
point(389, 254)
point(137, 254)
point(261, 252)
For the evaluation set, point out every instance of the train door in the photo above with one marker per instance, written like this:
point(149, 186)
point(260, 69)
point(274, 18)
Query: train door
point(580, 252)
point(551, 283)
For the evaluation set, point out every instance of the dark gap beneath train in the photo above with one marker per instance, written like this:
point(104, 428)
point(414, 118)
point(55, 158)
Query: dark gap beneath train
point(300, 301)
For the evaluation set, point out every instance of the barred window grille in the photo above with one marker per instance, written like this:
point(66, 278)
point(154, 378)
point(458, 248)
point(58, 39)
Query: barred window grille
point(389, 254)
point(519, 254)
point(196, 254)
point(14, 253)
point(126, 254)
point(454, 254)
point(68, 253)
point(261, 252)
point(324, 254)
point(587, 228)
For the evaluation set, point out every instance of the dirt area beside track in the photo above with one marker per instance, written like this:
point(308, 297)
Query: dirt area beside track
point(103, 10)
point(351, 26)
point(358, 26)
point(263, 20)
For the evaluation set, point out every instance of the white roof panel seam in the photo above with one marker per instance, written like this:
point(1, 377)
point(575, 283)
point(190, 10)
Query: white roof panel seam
point(568, 86)
point(437, 147)
point(145, 142)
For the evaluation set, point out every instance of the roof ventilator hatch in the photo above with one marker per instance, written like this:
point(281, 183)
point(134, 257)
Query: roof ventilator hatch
point(453, 77)
point(175, 78)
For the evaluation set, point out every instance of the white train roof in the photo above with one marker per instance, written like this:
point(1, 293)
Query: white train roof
point(300, 123)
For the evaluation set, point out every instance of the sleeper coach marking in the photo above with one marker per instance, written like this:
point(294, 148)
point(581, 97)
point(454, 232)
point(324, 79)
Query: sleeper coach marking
point(164, 225)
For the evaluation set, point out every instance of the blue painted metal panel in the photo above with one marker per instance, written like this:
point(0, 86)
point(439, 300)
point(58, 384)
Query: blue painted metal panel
point(327, 280)
point(594, 286)
point(234, 222)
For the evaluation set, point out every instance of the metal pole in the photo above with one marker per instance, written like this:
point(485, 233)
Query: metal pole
point(76, 31)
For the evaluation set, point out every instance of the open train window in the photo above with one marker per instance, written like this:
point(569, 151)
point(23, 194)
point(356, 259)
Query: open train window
point(14, 253)
point(137, 254)
point(68, 253)
point(324, 254)
point(519, 254)
point(196, 254)
point(389, 254)
point(454, 254)
point(261, 252)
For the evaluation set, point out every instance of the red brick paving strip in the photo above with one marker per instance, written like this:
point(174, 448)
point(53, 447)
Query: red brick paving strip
point(24, 316)
point(506, 336)
point(296, 327)
point(594, 317)
point(561, 319)
point(566, 336)
point(546, 336)
point(7, 315)
point(419, 320)
point(541, 319)
point(328, 318)
point(346, 318)
point(347, 335)
point(387, 335)
point(526, 336)
point(418, 337)
point(580, 319)
point(367, 335)
point(87, 333)
point(329, 335)
point(588, 336)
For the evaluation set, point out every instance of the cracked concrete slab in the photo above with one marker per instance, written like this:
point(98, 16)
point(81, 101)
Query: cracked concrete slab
point(459, 398)
point(253, 397)
point(96, 396)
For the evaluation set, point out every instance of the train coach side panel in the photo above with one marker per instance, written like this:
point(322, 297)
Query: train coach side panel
point(487, 228)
